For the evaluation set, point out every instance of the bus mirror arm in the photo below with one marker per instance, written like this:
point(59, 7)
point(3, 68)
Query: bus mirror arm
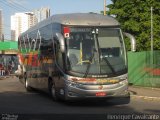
point(61, 41)
point(133, 41)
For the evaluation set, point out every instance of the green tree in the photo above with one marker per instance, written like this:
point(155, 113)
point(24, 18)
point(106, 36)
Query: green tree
point(135, 18)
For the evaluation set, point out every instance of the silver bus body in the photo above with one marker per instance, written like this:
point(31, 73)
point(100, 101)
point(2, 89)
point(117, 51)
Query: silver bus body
point(46, 48)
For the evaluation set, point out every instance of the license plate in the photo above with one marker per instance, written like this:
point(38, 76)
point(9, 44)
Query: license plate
point(100, 94)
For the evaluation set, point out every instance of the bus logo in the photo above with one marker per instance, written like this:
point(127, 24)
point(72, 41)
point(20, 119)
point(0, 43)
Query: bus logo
point(100, 87)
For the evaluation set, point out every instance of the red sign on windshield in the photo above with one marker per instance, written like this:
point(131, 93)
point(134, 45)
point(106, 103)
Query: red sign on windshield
point(66, 31)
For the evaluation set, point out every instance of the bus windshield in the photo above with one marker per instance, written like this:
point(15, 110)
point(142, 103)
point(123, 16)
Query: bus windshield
point(96, 51)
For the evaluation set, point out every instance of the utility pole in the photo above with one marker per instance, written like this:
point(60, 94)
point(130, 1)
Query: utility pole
point(104, 5)
point(2, 37)
point(152, 56)
point(152, 35)
point(151, 29)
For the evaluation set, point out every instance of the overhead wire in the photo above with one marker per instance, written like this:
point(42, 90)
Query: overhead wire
point(15, 6)
point(11, 6)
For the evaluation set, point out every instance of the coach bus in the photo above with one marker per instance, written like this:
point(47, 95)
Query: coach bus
point(75, 56)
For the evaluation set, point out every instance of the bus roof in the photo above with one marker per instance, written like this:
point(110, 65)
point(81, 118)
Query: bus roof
point(78, 19)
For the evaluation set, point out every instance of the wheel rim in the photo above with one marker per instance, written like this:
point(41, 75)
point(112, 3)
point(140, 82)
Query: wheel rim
point(53, 91)
point(26, 83)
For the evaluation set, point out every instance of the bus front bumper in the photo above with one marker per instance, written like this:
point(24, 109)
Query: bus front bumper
point(79, 91)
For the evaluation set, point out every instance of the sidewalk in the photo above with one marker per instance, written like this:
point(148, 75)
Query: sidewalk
point(145, 92)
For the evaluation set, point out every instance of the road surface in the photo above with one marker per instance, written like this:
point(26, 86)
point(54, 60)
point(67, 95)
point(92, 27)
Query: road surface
point(16, 103)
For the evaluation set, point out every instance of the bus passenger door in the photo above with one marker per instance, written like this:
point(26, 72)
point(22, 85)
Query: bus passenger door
point(59, 66)
point(47, 61)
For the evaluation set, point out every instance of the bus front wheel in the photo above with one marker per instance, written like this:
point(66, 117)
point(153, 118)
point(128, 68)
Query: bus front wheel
point(28, 88)
point(52, 90)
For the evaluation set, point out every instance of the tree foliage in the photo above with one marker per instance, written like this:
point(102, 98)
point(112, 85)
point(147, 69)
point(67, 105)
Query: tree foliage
point(135, 18)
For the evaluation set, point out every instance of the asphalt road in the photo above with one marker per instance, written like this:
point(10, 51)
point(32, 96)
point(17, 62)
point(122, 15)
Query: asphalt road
point(16, 103)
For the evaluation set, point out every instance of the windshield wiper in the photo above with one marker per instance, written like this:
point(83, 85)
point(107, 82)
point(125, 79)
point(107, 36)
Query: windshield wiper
point(110, 66)
point(89, 64)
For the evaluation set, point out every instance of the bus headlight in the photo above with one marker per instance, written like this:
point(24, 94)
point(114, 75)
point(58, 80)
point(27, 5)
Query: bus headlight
point(73, 84)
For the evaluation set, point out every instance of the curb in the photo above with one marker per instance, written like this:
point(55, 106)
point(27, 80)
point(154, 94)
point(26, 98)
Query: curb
point(152, 88)
point(4, 77)
point(146, 97)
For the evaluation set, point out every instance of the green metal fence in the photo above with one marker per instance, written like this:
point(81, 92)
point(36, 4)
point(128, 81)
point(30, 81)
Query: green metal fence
point(142, 71)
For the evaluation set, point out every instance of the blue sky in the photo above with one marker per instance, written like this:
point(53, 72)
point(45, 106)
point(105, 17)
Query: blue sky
point(56, 6)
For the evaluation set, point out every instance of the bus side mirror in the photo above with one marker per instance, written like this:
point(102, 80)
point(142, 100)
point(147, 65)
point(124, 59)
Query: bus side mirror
point(61, 41)
point(133, 41)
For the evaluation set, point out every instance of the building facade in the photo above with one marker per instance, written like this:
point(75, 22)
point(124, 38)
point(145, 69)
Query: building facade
point(41, 14)
point(20, 22)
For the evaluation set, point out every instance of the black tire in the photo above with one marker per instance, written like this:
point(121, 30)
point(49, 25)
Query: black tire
point(52, 90)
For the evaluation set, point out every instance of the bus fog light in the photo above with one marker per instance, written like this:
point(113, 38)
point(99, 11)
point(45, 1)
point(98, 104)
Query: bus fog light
point(61, 91)
point(123, 82)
